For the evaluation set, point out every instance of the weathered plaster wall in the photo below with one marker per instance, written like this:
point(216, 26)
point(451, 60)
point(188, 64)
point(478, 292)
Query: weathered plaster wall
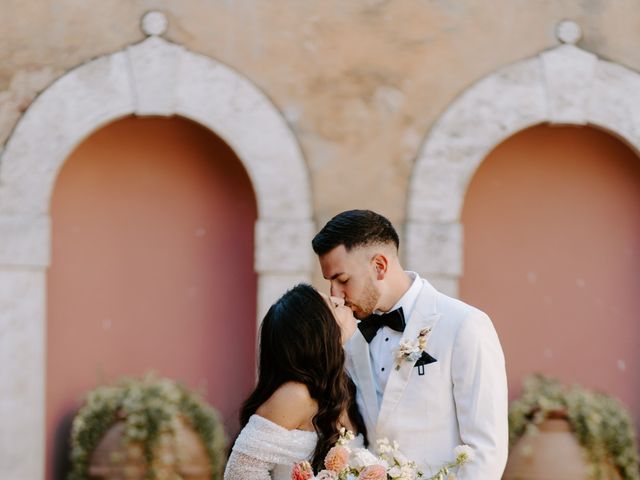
point(360, 82)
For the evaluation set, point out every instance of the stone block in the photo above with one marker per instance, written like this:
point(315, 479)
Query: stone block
point(24, 241)
point(22, 376)
point(568, 77)
point(434, 248)
point(284, 247)
point(155, 66)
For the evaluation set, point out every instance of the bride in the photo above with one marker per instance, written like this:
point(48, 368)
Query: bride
point(304, 395)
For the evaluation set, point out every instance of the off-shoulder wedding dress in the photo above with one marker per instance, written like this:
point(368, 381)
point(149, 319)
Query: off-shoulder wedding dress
point(266, 451)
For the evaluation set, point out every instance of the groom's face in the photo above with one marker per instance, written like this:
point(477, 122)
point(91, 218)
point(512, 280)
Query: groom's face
point(353, 278)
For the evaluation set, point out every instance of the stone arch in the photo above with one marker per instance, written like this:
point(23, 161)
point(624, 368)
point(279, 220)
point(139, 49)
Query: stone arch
point(564, 85)
point(154, 77)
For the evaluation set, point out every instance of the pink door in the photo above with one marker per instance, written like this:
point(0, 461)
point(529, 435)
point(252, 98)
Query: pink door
point(152, 268)
point(552, 253)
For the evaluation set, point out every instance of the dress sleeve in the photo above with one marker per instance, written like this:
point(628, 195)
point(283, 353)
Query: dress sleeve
point(246, 467)
point(261, 446)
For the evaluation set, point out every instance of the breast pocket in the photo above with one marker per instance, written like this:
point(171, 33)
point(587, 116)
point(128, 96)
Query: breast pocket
point(428, 384)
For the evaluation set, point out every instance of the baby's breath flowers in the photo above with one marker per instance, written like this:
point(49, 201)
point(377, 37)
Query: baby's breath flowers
point(346, 436)
point(344, 463)
point(464, 454)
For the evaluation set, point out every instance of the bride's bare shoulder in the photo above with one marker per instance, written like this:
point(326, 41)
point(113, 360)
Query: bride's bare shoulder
point(290, 406)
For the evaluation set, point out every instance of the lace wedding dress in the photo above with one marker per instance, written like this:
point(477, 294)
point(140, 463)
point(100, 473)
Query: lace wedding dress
point(264, 450)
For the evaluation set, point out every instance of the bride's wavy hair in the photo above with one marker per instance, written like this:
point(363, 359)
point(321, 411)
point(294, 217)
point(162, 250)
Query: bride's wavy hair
point(300, 342)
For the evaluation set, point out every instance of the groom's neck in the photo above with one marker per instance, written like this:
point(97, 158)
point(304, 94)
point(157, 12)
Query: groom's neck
point(397, 283)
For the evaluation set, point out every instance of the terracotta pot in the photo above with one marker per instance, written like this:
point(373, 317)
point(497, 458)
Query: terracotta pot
point(183, 454)
point(553, 454)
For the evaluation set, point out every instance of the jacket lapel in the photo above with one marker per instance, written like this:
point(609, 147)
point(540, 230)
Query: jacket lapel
point(424, 316)
point(358, 350)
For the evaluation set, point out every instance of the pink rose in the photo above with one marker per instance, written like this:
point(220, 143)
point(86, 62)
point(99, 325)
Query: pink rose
point(337, 459)
point(302, 471)
point(373, 472)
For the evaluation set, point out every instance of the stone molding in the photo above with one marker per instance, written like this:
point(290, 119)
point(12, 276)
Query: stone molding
point(154, 77)
point(565, 85)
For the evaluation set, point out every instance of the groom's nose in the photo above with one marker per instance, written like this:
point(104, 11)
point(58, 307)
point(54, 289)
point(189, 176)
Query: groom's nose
point(336, 291)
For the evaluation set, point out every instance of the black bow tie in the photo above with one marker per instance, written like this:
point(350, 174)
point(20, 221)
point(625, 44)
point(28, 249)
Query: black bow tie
point(370, 325)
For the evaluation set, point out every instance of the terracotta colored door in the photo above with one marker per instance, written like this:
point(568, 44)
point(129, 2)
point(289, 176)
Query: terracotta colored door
point(552, 253)
point(152, 269)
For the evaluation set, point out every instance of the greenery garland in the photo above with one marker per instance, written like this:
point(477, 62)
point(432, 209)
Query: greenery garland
point(601, 424)
point(148, 407)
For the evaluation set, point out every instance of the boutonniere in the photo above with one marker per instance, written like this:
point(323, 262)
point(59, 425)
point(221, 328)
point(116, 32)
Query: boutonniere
point(411, 350)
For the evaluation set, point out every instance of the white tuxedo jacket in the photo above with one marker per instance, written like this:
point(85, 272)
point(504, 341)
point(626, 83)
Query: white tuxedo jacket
point(461, 398)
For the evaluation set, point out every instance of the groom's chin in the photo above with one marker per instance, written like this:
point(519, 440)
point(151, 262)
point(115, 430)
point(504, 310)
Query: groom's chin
point(360, 315)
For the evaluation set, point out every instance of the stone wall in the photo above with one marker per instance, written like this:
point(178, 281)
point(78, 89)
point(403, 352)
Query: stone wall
point(360, 90)
point(360, 82)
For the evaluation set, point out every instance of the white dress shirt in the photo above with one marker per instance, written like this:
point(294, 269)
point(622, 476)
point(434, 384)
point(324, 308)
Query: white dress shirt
point(384, 345)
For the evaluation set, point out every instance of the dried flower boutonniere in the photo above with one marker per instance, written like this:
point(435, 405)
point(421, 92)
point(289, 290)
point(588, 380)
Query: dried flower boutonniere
point(411, 350)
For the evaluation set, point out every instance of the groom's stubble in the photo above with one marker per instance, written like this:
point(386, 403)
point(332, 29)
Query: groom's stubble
point(367, 303)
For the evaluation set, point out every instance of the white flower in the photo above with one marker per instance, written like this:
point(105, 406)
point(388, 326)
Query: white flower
point(385, 446)
point(326, 475)
point(395, 472)
point(410, 350)
point(346, 436)
point(362, 457)
point(407, 347)
point(400, 458)
point(403, 472)
point(464, 454)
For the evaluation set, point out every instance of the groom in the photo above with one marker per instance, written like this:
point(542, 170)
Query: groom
point(453, 390)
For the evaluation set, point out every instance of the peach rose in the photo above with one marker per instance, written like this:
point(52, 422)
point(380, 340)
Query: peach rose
point(337, 459)
point(373, 472)
point(302, 471)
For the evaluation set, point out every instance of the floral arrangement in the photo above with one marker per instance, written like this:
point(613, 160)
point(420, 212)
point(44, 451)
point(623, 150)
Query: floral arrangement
point(148, 407)
point(601, 424)
point(410, 350)
point(345, 463)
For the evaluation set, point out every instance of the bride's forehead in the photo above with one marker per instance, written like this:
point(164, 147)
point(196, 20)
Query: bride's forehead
point(327, 299)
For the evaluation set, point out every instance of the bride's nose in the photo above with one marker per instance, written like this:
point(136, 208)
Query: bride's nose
point(337, 301)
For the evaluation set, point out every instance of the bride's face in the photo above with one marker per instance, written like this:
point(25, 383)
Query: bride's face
point(343, 315)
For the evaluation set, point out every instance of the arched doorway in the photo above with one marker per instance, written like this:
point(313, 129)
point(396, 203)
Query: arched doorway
point(154, 77)
point(551, 224)
point(561, 86)
point(151, 269)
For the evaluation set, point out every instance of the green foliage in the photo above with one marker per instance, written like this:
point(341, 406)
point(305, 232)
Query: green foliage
point(147, 407)
point(601, 424)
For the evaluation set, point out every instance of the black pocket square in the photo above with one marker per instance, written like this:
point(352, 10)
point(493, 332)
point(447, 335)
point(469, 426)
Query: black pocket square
point(425, 359)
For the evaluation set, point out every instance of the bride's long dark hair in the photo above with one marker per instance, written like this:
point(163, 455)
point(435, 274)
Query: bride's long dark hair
point(300, 342)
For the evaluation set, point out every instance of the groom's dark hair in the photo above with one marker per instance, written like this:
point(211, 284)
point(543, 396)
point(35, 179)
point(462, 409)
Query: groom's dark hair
point(355, 228)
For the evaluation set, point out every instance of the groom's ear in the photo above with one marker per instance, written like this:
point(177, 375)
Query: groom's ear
point(380, 264)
